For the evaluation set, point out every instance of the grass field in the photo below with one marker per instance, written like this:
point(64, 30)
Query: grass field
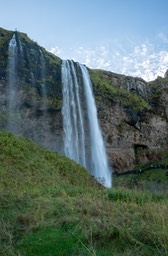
point(50, 206)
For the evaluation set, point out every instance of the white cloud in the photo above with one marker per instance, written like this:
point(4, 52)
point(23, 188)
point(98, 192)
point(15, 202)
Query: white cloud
point(57, 51)
point(147, 63)
point(144, 60)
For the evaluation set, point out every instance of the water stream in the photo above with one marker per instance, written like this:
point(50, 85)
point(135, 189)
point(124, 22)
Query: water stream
point(83, 141)
point(11, 85)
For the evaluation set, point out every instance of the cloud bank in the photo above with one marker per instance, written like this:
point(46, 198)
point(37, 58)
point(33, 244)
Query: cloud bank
point(145, 60)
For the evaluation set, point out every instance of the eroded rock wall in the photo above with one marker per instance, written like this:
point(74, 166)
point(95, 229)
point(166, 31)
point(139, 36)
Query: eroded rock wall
point(134, 118)
point(133, 114)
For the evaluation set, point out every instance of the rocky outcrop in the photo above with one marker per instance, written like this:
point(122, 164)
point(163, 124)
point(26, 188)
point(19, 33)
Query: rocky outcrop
point(133, 114)
point(33, 118)
point(134, 117)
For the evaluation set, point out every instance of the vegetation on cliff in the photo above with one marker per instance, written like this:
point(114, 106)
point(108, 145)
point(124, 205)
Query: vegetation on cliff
point(105, 87)
point(5, 37)
point(51, 206)
point(28, 67)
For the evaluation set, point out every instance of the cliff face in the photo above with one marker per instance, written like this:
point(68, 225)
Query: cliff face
point(134, 117)
point(133, 114)
point(37, 93)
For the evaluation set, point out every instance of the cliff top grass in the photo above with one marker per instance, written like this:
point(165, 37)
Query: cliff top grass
point(104, 88)
point(49, 205)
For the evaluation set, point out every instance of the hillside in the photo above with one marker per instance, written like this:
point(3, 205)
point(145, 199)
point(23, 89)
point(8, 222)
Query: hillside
point(133, 113)
point(51, 206)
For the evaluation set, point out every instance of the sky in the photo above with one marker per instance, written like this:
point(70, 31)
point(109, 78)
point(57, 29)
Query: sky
point(124, 36)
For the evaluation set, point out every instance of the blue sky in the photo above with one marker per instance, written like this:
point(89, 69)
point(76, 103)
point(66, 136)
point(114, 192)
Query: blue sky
point(124, 36)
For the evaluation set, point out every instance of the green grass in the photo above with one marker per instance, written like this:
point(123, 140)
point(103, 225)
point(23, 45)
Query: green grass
point(51, 241)
point(104, 88)
point(51, 206)
point(151, 180)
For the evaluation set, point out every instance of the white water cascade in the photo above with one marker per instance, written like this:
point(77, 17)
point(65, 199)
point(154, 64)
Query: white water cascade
point(11, 85)
point(83, 141)
point(43, 84)
point(74, 137)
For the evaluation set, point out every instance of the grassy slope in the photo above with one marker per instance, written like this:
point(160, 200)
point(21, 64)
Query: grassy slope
point(51, 206)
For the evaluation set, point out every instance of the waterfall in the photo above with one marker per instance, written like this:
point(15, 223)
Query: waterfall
point(11, 85)
point(83, 141)
point(44, 98)
point(20, 47)
point(43, 84)
point(72, 115)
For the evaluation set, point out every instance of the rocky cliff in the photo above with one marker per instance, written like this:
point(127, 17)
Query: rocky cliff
point(134, 117)
point(133, 114)
point(36, 117)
